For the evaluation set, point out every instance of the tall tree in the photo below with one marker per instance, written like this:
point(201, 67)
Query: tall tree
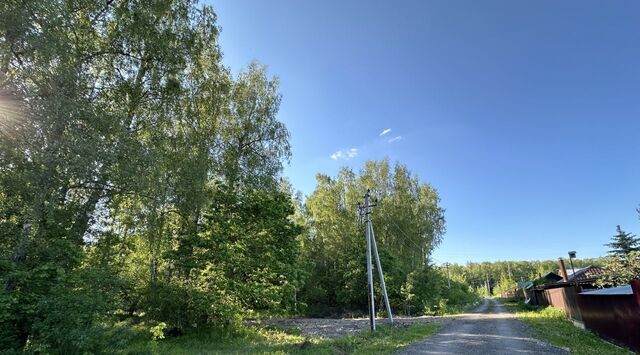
point(623, 243)
point(117, 123)
point(254, 142)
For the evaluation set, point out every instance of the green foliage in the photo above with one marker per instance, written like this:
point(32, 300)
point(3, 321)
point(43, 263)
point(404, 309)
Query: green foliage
point(505, 284)
point(157, 332)
point(623, 243)
point(140, 186)
point(620, 270)
point(71, 316)
point(427, 291)
point(408, 224)
point(120, 125)
point(255, 242)
point(184, 305)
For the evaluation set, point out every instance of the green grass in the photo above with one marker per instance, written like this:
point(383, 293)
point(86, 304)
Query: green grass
point(386, 340)
point(551, 324)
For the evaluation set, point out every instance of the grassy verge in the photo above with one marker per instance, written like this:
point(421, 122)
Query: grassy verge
point(385, 340)
point(552, 325)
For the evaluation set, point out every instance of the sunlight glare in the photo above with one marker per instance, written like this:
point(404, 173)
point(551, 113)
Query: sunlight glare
point(10, 114)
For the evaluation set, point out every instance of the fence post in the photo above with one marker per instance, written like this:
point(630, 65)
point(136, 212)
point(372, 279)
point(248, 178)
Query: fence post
point(635, 286)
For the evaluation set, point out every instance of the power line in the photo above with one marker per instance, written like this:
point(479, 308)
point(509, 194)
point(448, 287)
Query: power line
point(404, 234)
point(423, 255)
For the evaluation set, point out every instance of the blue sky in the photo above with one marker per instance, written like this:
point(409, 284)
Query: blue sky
point(524, 115)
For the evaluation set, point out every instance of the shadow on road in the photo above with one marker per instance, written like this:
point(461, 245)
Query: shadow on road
point(489, 329)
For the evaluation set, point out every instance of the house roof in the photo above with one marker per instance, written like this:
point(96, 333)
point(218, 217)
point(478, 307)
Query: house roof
point(586, 273)
point(549, 277)
point(622, 290)
point(525, 284)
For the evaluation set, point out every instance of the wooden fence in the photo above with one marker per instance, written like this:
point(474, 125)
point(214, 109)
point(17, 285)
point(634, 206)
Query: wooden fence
point(566, 298)
point(613, 314)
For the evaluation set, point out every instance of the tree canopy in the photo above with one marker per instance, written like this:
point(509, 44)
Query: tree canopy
point(623, 243)
point(408, 222)
point(139, 177)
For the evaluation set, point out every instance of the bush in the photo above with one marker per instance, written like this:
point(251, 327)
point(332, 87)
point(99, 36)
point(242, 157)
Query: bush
point(428, 290)
point(75, 316)
point(187, 305)
point(620, 269)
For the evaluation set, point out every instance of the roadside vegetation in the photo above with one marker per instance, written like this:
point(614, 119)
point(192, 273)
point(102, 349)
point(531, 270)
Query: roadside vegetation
point(623, 263)
point(386, 340)
point(551, 324)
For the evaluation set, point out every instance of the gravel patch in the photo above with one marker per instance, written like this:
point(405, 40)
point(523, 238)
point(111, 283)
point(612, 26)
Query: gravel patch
point(333, 328)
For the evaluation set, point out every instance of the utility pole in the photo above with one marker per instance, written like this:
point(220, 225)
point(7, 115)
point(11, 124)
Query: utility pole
point(379, 265)
point(448, 278)
point(364, 210)
point(372, 308)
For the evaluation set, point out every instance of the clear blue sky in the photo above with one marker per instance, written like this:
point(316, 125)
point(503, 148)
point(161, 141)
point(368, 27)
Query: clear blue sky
point(524, 115)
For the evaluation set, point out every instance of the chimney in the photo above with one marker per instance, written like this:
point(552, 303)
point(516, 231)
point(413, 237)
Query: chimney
point(563, 270)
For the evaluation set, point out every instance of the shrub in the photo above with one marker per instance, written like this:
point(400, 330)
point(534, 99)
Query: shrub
point(428, 290)
point(620, 269)
point(75, 316)
point(184, 305)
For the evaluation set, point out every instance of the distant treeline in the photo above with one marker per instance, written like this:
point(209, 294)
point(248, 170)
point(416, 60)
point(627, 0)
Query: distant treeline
point(501, 276)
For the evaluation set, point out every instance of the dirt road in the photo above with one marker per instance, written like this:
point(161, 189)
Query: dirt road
point(490, 329)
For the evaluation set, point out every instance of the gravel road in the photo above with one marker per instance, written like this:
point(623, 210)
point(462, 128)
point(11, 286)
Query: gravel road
point(490, 329)
point(334, 328)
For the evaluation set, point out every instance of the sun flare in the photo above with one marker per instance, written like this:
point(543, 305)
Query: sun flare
point(10, 114)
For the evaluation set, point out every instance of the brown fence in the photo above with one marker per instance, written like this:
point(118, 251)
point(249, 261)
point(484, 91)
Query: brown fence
point(566, 298)
point(563, 297)
point(613, 315)
point(539, 297)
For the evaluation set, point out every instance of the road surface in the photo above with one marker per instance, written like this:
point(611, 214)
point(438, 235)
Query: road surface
point(490, 329)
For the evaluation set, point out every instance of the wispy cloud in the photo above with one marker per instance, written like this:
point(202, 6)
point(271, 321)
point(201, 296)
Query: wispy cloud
point(346, 154)
point(385, 132)
point(394, 139)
